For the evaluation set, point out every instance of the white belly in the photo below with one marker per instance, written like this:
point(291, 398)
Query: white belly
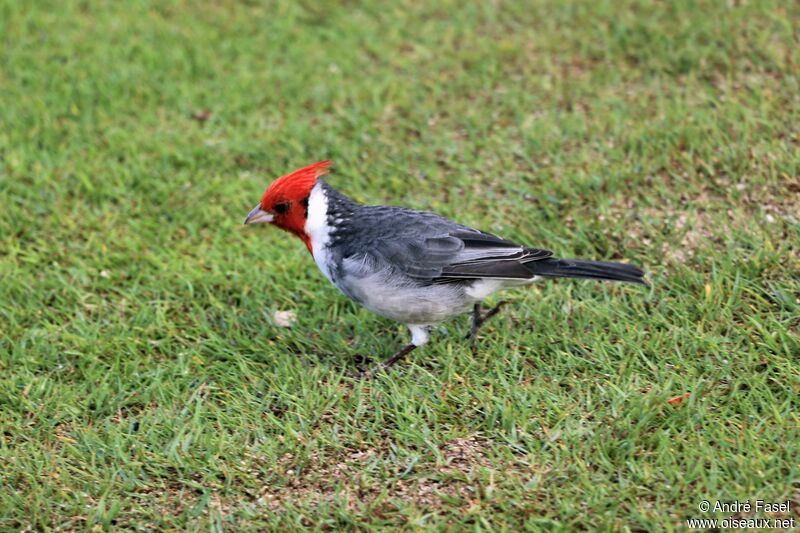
point(411, 303)
point(407, 303)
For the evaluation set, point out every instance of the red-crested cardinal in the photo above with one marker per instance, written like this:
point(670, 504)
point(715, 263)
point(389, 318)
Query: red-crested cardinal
point(414, 267)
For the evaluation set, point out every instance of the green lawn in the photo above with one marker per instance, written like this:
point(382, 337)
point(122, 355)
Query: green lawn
point(145, 384)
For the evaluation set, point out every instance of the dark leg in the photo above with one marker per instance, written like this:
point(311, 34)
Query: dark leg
point(478, 320)
point(407, 349)
point(475, 323)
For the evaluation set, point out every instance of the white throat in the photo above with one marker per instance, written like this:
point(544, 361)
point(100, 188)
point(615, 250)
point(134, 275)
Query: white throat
point(317, 227)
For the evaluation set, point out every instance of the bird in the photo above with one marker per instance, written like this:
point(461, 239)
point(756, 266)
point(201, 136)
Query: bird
point(414, 267)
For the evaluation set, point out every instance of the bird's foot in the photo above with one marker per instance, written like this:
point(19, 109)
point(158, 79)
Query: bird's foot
point(357, 374)
point(362, 367)
point(478, 319)
point(369, 373)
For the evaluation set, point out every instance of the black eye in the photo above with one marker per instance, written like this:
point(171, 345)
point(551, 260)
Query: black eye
point(281, 208)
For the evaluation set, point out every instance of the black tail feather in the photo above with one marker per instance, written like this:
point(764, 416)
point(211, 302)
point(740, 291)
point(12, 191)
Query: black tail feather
point(580, 268)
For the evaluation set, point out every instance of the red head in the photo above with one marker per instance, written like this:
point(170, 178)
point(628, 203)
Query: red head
point(285, 202)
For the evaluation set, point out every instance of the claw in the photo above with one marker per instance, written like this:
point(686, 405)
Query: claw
point(357, 374)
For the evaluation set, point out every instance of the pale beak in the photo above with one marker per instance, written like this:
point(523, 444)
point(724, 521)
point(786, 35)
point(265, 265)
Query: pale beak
point(258, 215)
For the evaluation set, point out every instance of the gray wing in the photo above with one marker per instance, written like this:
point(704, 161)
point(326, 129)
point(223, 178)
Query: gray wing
point(430, 248)
point(487, 256)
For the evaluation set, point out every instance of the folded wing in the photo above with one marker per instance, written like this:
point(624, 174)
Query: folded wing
point(460, 254)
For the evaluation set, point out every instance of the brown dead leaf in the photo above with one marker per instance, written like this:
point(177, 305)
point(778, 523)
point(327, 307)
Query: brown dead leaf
point(202, 115)
point(677, 400)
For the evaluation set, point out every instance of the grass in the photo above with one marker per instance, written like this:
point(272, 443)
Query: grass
point(144, 384)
